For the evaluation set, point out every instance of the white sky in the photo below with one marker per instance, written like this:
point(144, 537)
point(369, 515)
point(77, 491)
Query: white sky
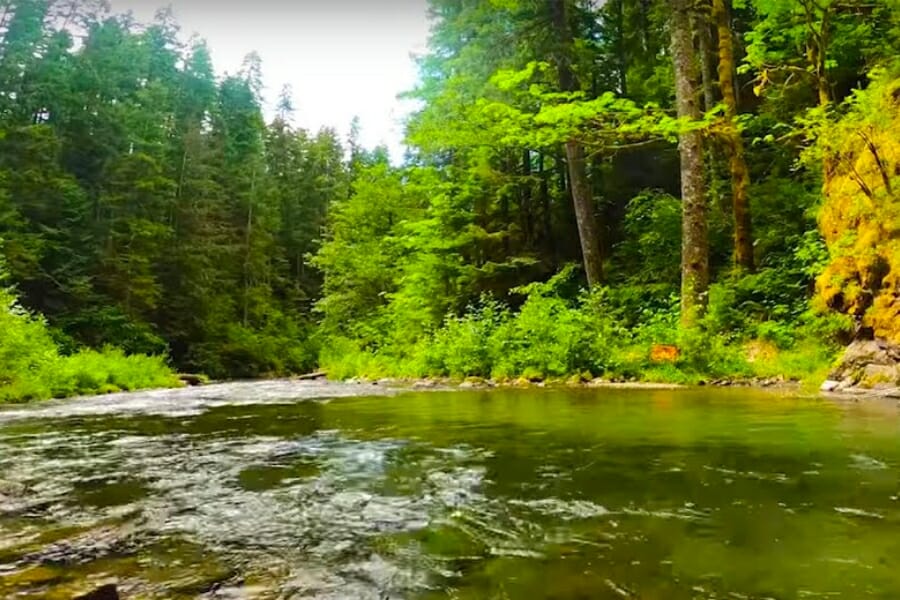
point(343, 58)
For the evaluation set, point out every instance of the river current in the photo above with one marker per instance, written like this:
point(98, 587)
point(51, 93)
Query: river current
point(284, 489)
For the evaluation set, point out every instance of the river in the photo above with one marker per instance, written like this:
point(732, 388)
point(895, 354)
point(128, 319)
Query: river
point(317, 490)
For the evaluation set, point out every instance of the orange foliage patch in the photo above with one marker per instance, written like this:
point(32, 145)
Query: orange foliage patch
point(664, 354)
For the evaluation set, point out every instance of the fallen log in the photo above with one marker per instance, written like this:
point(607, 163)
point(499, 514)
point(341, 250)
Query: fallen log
point(192, 379)
point(312, 376)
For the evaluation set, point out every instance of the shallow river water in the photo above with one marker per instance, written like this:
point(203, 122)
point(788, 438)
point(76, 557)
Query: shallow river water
point(315, 490)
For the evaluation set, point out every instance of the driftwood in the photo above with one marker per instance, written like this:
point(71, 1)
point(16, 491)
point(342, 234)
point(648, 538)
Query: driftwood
point(312, 376)
point(192, 379)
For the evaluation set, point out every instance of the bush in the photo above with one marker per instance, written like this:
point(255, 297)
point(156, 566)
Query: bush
point(607, 332)
point(467, 345)
point(652, 227)
point(32, 368)
point(109, 370)
point(547, 338)
point(343, 358)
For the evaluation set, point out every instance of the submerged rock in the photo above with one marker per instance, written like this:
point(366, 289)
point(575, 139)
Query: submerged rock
point(106, 592)
point(830, 386)
point(473, 383)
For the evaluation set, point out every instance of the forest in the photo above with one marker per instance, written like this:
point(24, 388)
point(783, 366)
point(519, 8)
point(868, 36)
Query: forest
point(585, 183)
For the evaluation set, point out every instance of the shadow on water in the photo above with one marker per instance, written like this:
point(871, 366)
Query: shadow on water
point(283, 490)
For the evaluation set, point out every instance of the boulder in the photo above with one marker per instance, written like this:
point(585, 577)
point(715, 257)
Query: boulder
point(473, 383)
point(866, 364)
point(831, 386)
point(425, 384)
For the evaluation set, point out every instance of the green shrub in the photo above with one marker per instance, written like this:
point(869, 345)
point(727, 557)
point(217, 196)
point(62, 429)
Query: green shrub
point(809, 362)
point(27, 352)
point(782, 334)
point(546, 338)
point(608, 332)
point(92, 371)
point(32, 368)
point(343, 358)
point(466, 346)
point(705, 353)
point(652, 228)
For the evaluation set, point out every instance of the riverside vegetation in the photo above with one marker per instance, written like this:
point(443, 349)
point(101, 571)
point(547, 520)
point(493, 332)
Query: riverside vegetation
point(584, 182)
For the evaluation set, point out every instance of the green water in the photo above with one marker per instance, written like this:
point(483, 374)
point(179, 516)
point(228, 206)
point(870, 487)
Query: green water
point(285, 491)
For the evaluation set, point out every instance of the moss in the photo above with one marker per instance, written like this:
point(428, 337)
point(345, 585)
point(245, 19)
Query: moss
point(860, 219)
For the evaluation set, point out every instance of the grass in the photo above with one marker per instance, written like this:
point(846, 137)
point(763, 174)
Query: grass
point(806, 362)
point(85, 373)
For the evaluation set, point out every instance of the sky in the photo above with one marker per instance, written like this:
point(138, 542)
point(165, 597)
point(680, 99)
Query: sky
point(343, 58)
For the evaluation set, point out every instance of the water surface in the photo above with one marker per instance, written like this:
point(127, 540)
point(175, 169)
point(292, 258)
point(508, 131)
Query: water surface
point(288, 490)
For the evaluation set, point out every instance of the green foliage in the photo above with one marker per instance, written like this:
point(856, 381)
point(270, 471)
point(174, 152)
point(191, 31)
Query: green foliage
point(147, 204)
point(551, 337)
point(345, 358)
point(860, 216)
point(468, 345)
point(105, 371)
point(279, 349)
point(546, 338)
point(652, 227)
point(31, 367)
point(26, 351)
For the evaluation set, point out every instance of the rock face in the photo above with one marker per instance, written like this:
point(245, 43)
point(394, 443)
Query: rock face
point(861, 213)
point(867, 365)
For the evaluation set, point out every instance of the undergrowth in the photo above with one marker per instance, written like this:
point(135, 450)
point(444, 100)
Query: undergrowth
point(600, 334)
point(32, 367)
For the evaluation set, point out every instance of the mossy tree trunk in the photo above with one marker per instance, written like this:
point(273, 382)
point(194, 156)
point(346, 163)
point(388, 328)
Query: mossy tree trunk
point(695, 229)
point(734, 143)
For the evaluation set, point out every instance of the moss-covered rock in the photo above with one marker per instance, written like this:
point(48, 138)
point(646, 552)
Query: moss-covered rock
point(860, 218)
point(867, 365)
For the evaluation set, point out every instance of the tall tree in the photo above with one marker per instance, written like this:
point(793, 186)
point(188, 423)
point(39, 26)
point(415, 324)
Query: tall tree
point(579, 184)
point(734, 143)
point(695, 229)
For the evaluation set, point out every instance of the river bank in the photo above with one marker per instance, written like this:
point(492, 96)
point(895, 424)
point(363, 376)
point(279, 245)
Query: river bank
point(197, 392)
point(449, 383)
point(865, 368)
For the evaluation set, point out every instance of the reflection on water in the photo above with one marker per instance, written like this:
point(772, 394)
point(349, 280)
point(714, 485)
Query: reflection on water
point(285, 490)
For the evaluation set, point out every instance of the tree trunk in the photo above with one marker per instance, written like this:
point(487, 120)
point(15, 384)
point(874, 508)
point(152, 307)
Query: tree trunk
point(816, 53)
point(734, 144)
point(705, 45)
point(582, 196)
point(247, 250)
point(527, 208)
point(546, 212)
point(584, 213)
point(695, 242)
point(621, 52)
